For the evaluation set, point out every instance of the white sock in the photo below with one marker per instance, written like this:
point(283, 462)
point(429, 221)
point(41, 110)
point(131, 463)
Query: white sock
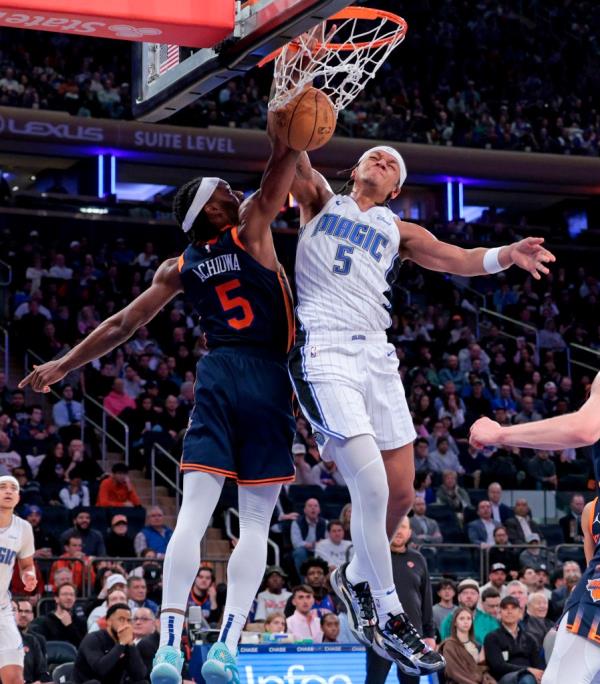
point(386, 602)
point(201, 492)
point(171, 626)
point(246, 566)
point(233, 624)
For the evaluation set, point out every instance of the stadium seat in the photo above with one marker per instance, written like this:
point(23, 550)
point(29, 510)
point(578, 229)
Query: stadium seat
point(552, 534)
point(448, 522)
point(56, 520)
point(63, 673)
point(60, 652)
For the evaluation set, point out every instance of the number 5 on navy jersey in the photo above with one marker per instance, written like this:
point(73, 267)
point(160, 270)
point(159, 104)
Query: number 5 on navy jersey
point(343, 268)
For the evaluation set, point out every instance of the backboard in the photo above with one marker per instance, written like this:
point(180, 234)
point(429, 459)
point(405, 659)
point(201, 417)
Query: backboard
point(167, 78)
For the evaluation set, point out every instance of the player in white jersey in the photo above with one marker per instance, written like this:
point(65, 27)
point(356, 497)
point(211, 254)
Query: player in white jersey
point(16, 543)
point(346, 374)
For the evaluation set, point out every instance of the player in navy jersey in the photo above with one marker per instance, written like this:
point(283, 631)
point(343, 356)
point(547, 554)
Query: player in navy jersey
point(576, 653)
point(241, 424)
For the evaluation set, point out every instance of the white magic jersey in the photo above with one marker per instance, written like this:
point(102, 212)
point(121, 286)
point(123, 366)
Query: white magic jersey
point(16, 541)
point(346, 262)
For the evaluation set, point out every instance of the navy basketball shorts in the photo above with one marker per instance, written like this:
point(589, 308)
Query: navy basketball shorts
point(242, 424)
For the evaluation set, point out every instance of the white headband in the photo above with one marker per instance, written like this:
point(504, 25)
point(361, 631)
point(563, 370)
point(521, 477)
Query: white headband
point(203, 194)
point(10, 478)
point(397, 156)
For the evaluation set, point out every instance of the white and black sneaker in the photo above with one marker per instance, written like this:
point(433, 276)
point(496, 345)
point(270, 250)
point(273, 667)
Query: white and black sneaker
point(359, 604)
point(401, 643)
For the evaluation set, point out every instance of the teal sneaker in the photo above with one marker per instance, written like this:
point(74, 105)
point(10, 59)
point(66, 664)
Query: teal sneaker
point(166, 666)
point(220, 666)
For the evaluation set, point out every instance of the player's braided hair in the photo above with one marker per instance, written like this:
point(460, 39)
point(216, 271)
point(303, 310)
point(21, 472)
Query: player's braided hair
point(346, 189)
point(181, 204)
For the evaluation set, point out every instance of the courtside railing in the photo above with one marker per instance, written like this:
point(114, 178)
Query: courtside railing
point(102, 420)
point(155, 470)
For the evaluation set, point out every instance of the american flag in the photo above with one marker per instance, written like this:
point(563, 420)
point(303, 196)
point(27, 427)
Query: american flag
point(168, 58)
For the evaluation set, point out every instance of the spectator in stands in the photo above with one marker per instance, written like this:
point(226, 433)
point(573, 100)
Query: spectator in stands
point(424, 530)
point(511, 654)
point(274, 597)
point(75, 494)
point(421, 455)
point(304, 623)
point(118, 541)
point(204, 594)
point(53, 467)
point(155, 534)
point(35, 666)
point(462, 652)
point(61, 624)
point(76, 561)
point(528, 576)
point(450, 494)
point(446, 592)
point(505, 401)
point(34, 435)
point(518, 590)
point(345, 519)
point(315, 571)
point(67, 412)
point(117, 400)
point(138, 595)
point(543, 471)
point(326, 474)
point(46, 544)
point(490, 602)
point(443, 459)
point(334, 548)
point(330, 626)
point(144, 623)
point(571, 574)
point(500, 512)
point(411, 578)
point(109, 655)
point(275, 623)
point(481, 531)
point(570, 524)
point(536, 622)
point(521, 528)
point(93, 543)
point(116, 594)
point(502, 553)
point(535, 556)
point(307, 531)
point(451, 372)
point(468, 597)
point(497, 579)
point(527, 414)
point(117, 490)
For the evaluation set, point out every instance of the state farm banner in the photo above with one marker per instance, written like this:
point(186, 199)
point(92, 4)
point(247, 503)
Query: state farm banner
point(160, 21)
point(100, 135)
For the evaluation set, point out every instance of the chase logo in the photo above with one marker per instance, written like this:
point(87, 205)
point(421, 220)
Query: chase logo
point(593, 586)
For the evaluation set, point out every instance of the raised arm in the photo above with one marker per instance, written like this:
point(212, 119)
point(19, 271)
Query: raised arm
point(570, 431)
point(113, 331)
point(420, 246)
point(589, 545)
point(310, 189)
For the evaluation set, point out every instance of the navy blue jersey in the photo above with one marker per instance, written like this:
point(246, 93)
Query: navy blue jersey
point(583, 604)
point(240, 302)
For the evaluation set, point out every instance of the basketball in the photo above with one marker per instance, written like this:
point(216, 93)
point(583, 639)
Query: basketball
point(307, 122)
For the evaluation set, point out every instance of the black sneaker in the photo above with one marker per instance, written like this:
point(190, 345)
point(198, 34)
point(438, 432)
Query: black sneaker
point(400, 642)
point(359, 604)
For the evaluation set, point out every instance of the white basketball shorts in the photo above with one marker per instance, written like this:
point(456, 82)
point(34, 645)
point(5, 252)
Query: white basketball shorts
point(574, 658)
point(11, 644)
point(348, 384)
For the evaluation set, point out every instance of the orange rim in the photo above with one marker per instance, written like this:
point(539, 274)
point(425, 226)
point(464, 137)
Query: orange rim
point(354, 13)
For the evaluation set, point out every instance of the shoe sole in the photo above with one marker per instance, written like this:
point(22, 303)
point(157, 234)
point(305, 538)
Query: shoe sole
point(215, 673)
point(400, 660)
point(164, 673)
point(337, 584)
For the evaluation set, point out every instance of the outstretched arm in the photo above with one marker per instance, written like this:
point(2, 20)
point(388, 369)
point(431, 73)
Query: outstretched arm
point(113, 331)
point(570, 431)
point(420, 246)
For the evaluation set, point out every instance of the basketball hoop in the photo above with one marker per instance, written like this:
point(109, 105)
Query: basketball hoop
point(354, 49)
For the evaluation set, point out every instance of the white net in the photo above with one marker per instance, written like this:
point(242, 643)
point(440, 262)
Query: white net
point(338, 57)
